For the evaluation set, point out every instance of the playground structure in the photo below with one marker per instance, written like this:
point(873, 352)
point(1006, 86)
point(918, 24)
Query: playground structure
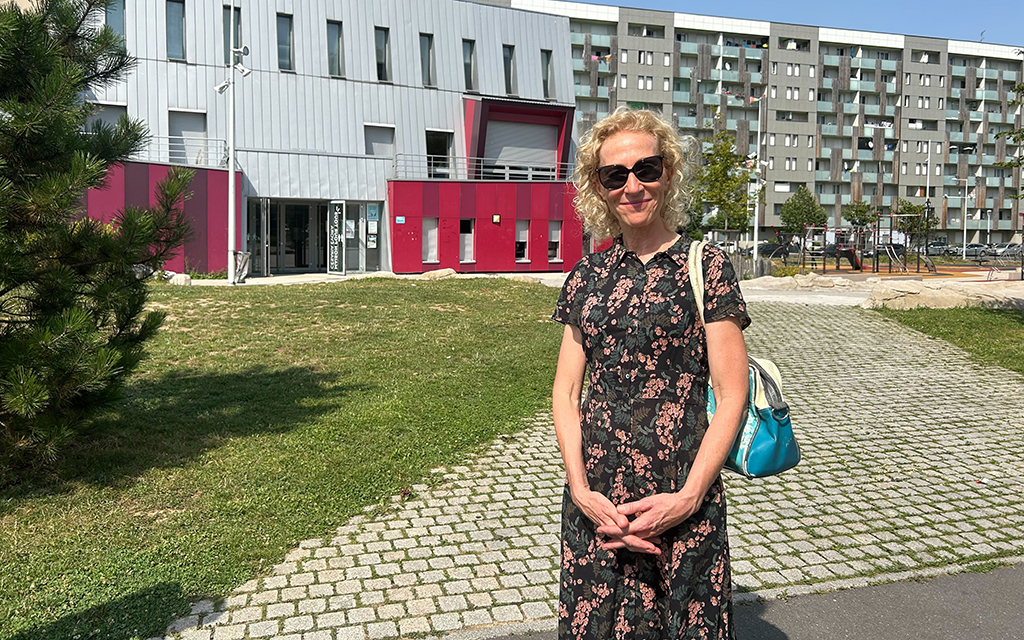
point(851, 243)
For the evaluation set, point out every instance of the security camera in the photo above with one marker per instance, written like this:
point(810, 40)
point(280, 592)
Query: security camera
point(241, 68)
point(222, 87)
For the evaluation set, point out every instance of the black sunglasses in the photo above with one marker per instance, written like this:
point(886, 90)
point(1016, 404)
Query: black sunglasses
point(615, 176)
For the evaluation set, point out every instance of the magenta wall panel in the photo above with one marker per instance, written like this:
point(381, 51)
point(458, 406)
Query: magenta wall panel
point(495, 243)
point(103, 203)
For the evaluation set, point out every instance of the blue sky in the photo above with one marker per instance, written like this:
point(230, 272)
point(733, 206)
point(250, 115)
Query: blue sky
point(1002, 20)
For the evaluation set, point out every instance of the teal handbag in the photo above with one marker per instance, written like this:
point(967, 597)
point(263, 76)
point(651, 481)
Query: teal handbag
point(766, 445)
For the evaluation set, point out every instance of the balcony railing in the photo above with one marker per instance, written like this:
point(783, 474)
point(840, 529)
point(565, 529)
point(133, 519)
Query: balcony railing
point(428, 167)
point(185, 150)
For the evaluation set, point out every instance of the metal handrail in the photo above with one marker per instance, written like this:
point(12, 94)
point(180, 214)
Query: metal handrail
point(409, 166)
point(185, 150)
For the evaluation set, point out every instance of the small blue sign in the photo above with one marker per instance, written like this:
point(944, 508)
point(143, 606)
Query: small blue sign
point(399, 219)
point(371, 212)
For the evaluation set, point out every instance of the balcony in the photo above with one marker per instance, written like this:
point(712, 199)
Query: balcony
point(726, 76)
point(988, 160)
point(827, 198)
point(977, 115)
point(753, 53)
point(822, 176)
point(688, 122)
point(682, 97)
point(1010, 76)
point(730, 52)
point(186, 150)
point(730, 124)
point(869, 178)
point(851, 107)
point(424, 167)
point(872, 109)
point(889, 65)
point(890, 110)
point(688, 47)
point(829, 130)
point(886, 201)
point(952, 114)
point(890, 87)
point(950, 181)
point(826, 83)
point(865, 154)
point(959, 71)
point(993, 182)
point(577, 64)
point(755, 77)
point(600, 40)
point(867, 85)
point(991, 74)
point(956, 136)
point(602, 92)
point(604, 66)
point(830, 61)
point(953, 202)
point(981, 94)
point(577, 38)
point(712, 98)
point(825, 107)
point(684, 72)
point(954, 92)
point(582, 90)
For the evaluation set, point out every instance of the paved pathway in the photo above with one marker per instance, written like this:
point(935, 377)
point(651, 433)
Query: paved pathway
point(913, 463)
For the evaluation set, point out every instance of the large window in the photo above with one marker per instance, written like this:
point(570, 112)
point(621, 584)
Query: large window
point(545, 74)
point(335, 50)
point(227, 32)
point(427, 60)
point(469, 64)
point(382, 50)
point(285, 58)
point(509, 55)
point(380, 141)
point(439, 154)
point(554, 240)
point(522, 239)
point(429, 240)
point(466, 240)
point(175, 29)
point(115, 17)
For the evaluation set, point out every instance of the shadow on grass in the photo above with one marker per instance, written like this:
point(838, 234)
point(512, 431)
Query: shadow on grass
point(166, 421)
point(116, 618)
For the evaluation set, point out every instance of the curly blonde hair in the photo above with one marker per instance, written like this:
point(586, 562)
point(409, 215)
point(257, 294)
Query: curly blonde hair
point(681, 155)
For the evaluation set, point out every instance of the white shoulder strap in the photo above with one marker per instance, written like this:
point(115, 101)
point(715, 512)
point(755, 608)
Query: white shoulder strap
point(696, 268)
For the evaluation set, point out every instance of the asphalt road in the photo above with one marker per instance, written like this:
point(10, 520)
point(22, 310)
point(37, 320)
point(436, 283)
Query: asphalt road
point(980, 606)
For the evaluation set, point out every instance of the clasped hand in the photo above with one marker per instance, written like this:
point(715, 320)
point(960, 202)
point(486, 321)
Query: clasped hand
point(654, 515)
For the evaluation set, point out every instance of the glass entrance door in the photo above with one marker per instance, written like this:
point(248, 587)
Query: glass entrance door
point(353, 236)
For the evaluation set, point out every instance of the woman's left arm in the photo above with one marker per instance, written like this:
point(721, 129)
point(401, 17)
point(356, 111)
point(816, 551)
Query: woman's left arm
point(727, 361)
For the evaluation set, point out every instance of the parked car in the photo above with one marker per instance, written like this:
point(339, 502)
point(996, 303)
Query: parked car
point(975, 250)
point(938, 248)
point(769, 250)
point(1003, 247)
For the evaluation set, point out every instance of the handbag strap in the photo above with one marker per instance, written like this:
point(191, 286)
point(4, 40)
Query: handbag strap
point(696, 269)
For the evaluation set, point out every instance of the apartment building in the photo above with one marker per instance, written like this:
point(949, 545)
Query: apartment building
point(393, 135)
point(851, 115)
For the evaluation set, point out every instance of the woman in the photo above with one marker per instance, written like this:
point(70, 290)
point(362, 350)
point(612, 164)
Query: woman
point(644, 546)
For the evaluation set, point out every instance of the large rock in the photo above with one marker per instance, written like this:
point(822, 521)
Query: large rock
point(182, 279)
point(910, 294)
point(522, 278)
point(438, 274)
point(770, 283)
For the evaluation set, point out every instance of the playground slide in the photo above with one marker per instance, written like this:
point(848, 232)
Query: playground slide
point(851, 255)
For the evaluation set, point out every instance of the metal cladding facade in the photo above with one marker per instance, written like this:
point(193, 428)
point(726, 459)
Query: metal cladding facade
point(301, 134)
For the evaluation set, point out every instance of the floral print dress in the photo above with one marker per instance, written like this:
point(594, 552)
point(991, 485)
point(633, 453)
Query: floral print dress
point(643, 419)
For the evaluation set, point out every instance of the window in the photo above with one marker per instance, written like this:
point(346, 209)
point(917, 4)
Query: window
point(114, 18)
point(789, 69)
point(624, 57)
point(175, 29)
point(650, 83)
point(796, 69)
point(810, 164)
point(928, 80)
point(469, 64)
point(227, 33)
point(640, 83)
point(508, 53)
point(771, 139)
point(810, 71)
point(774, 91)
point(545, 74)
point(522, 237)
point(903, 169)
point(382, 50)
point(788, 139)
point(665, 85)
point(906, 101)
point(466, 240)
point(668, 63)
point(904, 149)
point(429, 239)
point(906, 78)
point(427, 59)
point(285, 62)
point(927, 102)
point(640, 57)
point(942, 81)
point(650, 58)
point(775, 68)
point(919, 143)
point(938, 147)
point(439, 154)
point(554, 240)
point(938, 169)
point(622, 81)
point(335, 50)
point(810, 142)
point(380, 141)
point(941, 101)
point(771, 163)
point(810, 93)
point(920, 102)
point(789, 93)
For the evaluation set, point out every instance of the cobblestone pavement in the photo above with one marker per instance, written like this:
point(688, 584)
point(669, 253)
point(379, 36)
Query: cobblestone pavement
point(913, 462)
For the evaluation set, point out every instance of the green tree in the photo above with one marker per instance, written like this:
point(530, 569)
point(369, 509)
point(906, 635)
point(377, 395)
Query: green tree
point(722, 183)
point(910, 220)
point(859, 214)
point(72, 290)
point(800, 210)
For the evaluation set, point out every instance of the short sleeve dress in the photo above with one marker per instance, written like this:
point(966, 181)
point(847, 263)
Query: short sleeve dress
point(643, 419)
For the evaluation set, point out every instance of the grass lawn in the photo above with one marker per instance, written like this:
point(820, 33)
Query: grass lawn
point(991, 336)
point(264, 416)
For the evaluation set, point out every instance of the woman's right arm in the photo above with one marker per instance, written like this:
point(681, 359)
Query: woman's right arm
point(565, 404)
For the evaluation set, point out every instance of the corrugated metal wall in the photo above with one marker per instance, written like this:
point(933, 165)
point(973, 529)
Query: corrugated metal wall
point(300, 135)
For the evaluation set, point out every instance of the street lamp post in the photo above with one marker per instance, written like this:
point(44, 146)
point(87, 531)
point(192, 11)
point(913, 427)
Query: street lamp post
point(234, 60)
